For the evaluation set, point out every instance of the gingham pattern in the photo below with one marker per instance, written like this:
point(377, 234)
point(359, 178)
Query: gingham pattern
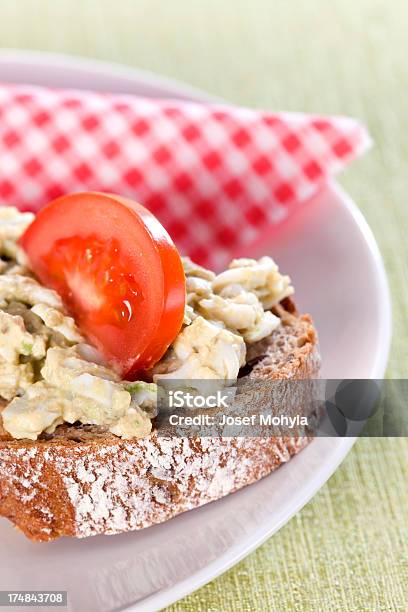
point(215, 176)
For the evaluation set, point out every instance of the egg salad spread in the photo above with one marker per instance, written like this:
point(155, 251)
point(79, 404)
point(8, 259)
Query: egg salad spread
point(50, 375)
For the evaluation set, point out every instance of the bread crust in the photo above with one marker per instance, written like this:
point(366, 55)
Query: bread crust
point(80, 483)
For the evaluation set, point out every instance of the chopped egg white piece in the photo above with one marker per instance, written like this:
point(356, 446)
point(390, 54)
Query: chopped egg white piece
point(27, 290)
point(57, 321)
point(39, 409)
point(14, 379)
point(15, 340)
point(203, 351)
point(261, 277)
point(13, 223)
point(242, 313)
point(134, 424)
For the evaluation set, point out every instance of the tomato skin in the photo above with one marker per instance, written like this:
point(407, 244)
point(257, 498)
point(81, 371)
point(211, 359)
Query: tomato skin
point(118, 272)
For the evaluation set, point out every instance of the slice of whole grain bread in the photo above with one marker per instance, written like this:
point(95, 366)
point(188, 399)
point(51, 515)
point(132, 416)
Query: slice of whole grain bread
point(83, 481)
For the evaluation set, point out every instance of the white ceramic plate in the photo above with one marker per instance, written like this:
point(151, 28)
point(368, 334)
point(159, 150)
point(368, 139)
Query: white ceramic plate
point(339, 276)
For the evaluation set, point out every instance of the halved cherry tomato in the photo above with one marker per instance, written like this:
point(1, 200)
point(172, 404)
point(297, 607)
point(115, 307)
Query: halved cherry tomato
point(117, 271)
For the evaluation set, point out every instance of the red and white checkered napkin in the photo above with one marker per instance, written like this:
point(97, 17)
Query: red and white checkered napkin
point(214, 175)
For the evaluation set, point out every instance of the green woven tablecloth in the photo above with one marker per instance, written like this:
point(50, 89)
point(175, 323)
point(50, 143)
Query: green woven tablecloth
point(348, 549)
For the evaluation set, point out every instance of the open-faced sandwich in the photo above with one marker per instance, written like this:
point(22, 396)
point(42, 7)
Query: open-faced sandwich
point(96, 308)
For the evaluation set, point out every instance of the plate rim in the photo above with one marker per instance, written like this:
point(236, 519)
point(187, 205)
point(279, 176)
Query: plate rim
point(47, 59)
point(228, 559)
